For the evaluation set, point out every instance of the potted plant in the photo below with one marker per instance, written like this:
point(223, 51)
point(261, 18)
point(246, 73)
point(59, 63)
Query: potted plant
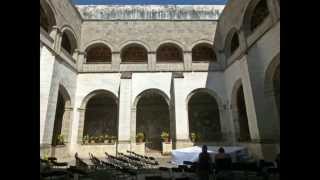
point(193, 137)
point(165, 136)
point(113, 139)
point(106, 139)
point(86, 139)
point(140, 137)
point(92, 139)
point(101, 139)
point(60, 139)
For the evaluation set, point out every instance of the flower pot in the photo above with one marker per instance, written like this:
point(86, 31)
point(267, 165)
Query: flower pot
point(92, 141)
point(86, 141)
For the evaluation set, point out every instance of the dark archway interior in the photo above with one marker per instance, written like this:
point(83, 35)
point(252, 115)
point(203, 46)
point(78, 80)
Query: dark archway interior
point(276, 85)
point(204, 118)
point(66, 43)
point(134, 53)
point(169, 53)
point(99, 53)
point(234, 43)
point(259, 14)
point(44, 21)
point(101, 116)
point(243, 118)
point(58, 119)
point(153, 118)
point(203, 52)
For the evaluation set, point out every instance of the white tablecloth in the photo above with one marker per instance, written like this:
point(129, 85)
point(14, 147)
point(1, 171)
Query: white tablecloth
point(192, 153)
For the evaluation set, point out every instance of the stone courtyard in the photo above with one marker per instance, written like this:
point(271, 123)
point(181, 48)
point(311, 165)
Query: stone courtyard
point(178, 75)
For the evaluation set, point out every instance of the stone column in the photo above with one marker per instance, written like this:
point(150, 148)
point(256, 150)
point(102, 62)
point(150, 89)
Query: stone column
point(180, 113)
point(47, 60)
point(81, 60)
point(242, 41)
point(226, 124)
point(81, 124)
point(124, 131)
point(152, 61)
point(187, 60)
point(274, 10)
point(249, 100)
point(66, 124)
point(57, 37)
point(116, 60)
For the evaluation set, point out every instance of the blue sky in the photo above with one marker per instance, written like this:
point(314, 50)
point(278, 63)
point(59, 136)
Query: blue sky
point(149, 1)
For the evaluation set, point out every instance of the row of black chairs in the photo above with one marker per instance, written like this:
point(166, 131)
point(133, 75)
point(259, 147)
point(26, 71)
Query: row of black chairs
point(51, 168)
point(147, 159)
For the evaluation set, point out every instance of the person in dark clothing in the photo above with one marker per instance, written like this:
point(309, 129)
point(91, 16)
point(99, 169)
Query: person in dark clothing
point(204, 164)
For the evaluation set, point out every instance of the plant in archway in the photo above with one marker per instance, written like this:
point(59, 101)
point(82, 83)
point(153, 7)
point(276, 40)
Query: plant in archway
point(140, 137)
point(85, 139)
point(193, 137)
point(60, 139)
point(106, 138)
point(165, 136)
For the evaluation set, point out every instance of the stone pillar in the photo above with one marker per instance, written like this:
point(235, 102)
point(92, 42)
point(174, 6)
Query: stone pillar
point(81, 124)
point(274, 10)
point(187, 60)
point(152, 61)
point(57, 37)
point(116, 60)
point(124, 131)
point(249, 100)
point(81, 60)
point(180, 114)
point(242, 41)
point(66, 124)
point(226, 124)
point(47, 60)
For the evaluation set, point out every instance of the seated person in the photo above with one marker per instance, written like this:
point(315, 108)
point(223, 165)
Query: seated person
point(204, 164)
point(222, 160)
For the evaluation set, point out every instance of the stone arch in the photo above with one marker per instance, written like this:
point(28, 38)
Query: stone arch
point(47, 16)
point(256, 12)
point(213, 98)
point(134, 52)
point(69, 41)
point(239, 112)
point(62, 121)
point(170, 51)
point(203, 52)
point(98, 53)
point(156, 116)
point(141, 43)
point(172, 41)
point(99, 41)
point(232, 42)
point(195, 43)
point(271, 87)
point(83, 107)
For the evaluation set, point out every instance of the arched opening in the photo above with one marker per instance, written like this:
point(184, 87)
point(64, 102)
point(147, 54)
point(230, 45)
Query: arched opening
point(68, 42)
point(101, 116)
point(203, 52)
point(152, 118)
point(276, 87)
point(204, 117)
point(232, 43)
point(255, 15)
point(244, 133)
point(134, 53)
point(62, 118)
point(47, 19)
point(98, 53)
point(169, 52)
